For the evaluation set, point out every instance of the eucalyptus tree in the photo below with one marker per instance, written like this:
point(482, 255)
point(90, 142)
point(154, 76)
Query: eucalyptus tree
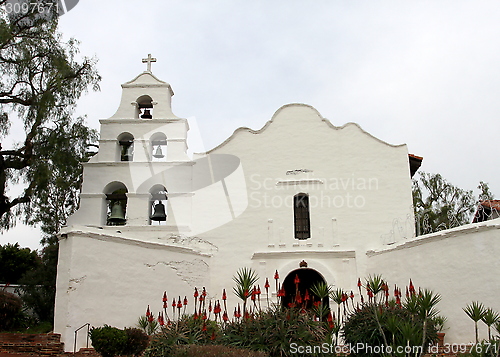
point(42, 79)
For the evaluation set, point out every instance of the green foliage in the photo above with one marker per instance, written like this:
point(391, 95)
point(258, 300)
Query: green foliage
point(440, 205)
point(213, 351)
point(10, 311)
point(40, 85)
point(38, 286)
point(186, 331)
point(476, 312)
point(136, 343)
point(149, 327)
point(245, 279)
point(400, 326)
point(15, 262)
point(271, 331)
point(108, 341)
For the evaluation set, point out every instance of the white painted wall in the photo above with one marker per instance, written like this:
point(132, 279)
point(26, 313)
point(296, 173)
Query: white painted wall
point(460, 264)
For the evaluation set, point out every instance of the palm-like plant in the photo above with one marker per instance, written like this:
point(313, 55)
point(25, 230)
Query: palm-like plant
point(245, 279)
point(476, 312)
point(427, 302)
point(490, 317)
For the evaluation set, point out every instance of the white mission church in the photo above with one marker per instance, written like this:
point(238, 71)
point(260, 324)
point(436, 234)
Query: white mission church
point(300, 196)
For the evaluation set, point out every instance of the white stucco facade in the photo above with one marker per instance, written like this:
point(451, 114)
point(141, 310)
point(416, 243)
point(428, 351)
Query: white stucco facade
point(233, 207)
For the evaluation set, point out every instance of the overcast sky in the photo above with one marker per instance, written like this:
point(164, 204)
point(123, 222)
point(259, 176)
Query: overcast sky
point(424, 73)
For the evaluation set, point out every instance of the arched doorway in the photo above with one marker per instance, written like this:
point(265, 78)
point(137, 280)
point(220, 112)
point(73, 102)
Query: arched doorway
point(307, 277)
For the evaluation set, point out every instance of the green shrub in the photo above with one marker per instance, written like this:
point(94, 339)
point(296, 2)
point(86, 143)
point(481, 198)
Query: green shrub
point(136, 343)
point(272, 331)
point(108, 341)
point(213, 351)
point(11, 316)
point(399, 325)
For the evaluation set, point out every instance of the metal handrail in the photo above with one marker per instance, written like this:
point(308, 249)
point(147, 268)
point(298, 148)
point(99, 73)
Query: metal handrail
point(76, 334)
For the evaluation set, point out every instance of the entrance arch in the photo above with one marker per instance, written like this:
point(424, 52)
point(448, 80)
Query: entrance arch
point(307, 278)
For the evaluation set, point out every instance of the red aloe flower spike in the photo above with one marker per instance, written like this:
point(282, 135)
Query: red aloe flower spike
point(258, 289)
point(204, 328)
point(195, 293)
point(174, 304)
point(179, 303)
point(276, 275)
point(239, 311)
point(267, 286)
point(296, 281)
point(165, 305)
point(204, 317)
point(395, 290)
point(148, 312)
point(160, 319)
point(407, 294)
point(204, 293)
point(352, 295)
point(298, 298)
point(344, 297)
point(224, 316)
point(165, 297)
point(185, 301)
point(412, 288)
point(224, 297)
point(306, 296)
point(195, 315)
point(359, 282)
point(210, 306)
point(235, 313)
point(213, 337)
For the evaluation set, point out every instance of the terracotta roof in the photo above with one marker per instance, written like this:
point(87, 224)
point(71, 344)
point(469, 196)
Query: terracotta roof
point(415, 162)
point(492, 204)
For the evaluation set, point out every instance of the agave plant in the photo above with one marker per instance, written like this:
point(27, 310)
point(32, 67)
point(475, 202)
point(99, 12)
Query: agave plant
point(476, 312)
point(490, 317)
point(245, 279)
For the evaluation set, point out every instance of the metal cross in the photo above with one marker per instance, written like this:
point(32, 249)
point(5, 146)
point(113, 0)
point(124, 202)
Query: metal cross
point(148, 61)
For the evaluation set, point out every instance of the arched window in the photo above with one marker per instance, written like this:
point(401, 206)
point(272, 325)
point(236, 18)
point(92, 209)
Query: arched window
point(144, 107)
point(126, 147)
point(301, 216)
point(159, 147)
point(158, 205)
point(116, 204)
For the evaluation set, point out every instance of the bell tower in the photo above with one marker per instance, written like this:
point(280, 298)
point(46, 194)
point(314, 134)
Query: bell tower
point(142, 169)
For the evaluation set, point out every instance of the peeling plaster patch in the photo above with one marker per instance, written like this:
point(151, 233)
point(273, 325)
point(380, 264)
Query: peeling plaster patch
point(193, 242)
point(195, 272)
point(73, 283)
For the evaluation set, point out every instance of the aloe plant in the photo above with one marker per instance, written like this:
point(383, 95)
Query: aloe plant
point(476, 312)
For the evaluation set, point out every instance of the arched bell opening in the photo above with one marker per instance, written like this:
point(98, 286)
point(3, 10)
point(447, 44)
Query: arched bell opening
point(158, 147)
point(297, 286)
point(144, 107)
point(116, 204)
point(125, 147)
point(158, 205)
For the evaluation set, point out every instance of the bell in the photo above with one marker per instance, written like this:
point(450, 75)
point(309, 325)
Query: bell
point(117, 215)
point(146, 115)
point(159, 213)
point(158, 153)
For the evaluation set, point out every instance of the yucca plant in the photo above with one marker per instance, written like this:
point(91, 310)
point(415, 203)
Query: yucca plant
point(490, 318)
point(245, 279)
point(476, 312)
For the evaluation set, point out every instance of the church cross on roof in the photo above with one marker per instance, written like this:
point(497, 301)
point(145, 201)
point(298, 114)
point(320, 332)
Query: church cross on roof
point(149, 60)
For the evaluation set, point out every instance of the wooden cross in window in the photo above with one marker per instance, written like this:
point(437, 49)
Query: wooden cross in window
point(149, 60)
